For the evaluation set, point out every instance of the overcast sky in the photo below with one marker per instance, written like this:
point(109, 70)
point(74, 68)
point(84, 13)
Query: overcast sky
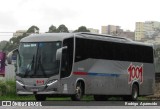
point(21, 14)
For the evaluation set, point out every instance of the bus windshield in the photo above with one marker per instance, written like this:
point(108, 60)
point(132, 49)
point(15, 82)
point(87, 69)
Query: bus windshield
point(38, 59)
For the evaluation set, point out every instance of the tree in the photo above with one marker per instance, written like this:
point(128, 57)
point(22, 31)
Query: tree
point(3, 44)
point(33, 29)
point(62, 29)
point(9, 47)
point(52, 29)
point(82, 29)
point(14, 41)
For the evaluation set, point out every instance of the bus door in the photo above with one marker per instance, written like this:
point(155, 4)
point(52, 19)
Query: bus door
point(67, 58)
point(66, 65)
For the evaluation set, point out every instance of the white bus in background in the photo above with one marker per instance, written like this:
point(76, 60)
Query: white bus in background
point(11, 58)
point(77, 64)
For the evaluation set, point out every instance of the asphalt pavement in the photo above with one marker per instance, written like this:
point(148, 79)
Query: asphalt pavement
point(82, 107)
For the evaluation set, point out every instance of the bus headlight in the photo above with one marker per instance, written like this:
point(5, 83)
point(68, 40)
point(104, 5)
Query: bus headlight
point(51, 82)
point(20, 83)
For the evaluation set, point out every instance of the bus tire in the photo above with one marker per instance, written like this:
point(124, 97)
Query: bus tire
point(100, 97)
point(40, 97)
point(79, 92)
point(135, 92)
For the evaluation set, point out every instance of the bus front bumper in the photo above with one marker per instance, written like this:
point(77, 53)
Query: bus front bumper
point(31, 93)
point(42, 89)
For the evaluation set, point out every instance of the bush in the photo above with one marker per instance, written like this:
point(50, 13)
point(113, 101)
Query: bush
point(11, 87)
point(7, 87)
point(3, 88)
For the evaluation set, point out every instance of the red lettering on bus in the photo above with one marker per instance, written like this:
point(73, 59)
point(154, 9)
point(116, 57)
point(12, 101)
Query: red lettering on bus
point(40, 82)
point(135, 73)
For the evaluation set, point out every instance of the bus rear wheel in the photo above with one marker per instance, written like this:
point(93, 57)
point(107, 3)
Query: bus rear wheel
point(135, 91)
point(134, 94)
point(78, 93)
point(40, 97)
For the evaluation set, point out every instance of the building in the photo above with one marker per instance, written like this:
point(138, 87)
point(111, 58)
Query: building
point(146, 29)
point(104, 29)
point(150, 28)
point(117, 31)
point(151, 25)
point(111, 30)
point(93, 30)
point(19, 33)
point(139, 30)
point(128, 34)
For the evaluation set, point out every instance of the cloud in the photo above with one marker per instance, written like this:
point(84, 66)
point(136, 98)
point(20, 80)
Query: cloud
point(7, 21)
point(21, 14)
point(53, 14)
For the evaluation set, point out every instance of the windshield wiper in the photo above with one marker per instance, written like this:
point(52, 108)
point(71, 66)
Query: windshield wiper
point(41, 66)
point(29, 67)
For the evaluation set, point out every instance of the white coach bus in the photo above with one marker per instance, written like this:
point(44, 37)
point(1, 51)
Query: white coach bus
point(77, 64)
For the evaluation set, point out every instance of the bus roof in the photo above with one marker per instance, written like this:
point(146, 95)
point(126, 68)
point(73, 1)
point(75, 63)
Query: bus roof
point(46, 37)
point(111, 38)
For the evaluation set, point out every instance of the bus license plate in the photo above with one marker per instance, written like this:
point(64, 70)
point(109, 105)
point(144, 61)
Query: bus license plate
point(34, 90)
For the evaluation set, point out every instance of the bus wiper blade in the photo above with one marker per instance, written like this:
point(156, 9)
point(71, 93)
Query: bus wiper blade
point(29, 67)
point(41, 66)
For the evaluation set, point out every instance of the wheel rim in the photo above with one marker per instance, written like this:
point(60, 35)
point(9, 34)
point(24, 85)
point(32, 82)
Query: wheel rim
point(78, 92)
point(135, 93)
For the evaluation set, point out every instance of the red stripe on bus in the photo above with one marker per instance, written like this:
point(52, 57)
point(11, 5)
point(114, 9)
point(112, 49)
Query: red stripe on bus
point(80, 73)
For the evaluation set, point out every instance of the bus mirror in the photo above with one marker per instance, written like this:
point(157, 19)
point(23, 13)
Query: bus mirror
point(15, 52)
point(9, 60)
point(65, 47)
point(59, 52)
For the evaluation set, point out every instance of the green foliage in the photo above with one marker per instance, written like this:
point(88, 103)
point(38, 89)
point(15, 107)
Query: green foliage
point(3, 44)
point(52, 29)
point(62, 29)
point(3, 88)
point(33, 29)
point(11, 87)
point(14, 41)
point(9, 47)
point(82, 29)
point(16, 97)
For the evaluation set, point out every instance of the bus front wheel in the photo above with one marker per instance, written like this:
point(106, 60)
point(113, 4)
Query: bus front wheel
point(40, 97)
point(78, 93)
